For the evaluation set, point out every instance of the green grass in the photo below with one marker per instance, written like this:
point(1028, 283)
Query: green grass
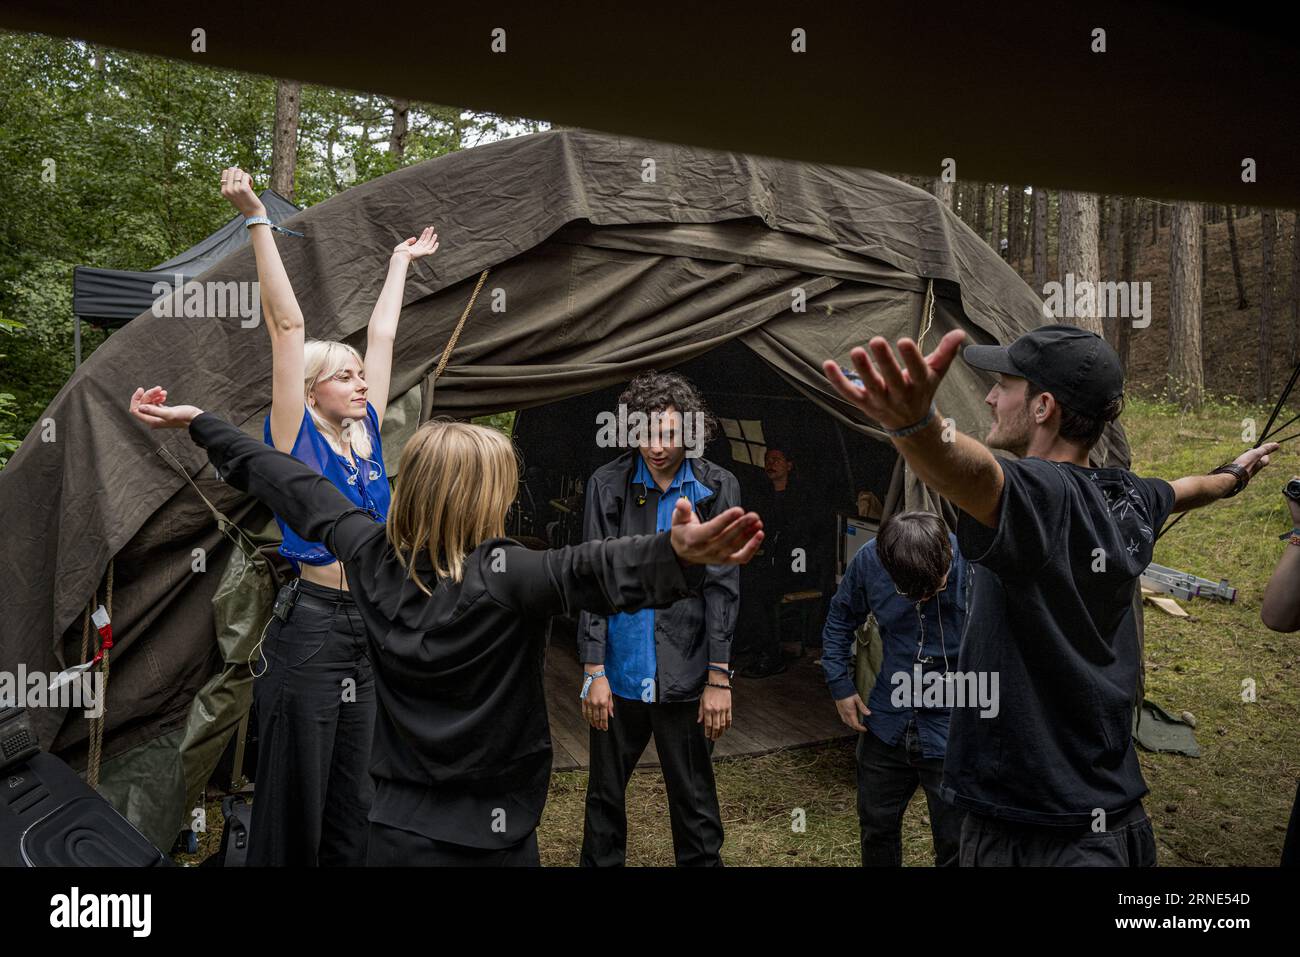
point(1229, 807)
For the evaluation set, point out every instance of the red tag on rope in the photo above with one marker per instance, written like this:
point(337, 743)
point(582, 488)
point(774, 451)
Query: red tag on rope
point(100, 618)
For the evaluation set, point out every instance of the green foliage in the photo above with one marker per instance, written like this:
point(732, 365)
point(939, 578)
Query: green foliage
point(113, 159)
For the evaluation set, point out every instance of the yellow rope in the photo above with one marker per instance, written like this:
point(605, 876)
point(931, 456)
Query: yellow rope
point(451, 343)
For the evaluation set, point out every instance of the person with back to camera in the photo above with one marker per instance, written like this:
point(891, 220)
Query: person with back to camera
point(313, 787)
point(455, 614)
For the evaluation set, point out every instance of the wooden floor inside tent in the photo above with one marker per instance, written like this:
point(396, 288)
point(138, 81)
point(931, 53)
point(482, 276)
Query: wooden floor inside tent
point(788, 710)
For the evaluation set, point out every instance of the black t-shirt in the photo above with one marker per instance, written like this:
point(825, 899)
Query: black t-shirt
point(1052, 615)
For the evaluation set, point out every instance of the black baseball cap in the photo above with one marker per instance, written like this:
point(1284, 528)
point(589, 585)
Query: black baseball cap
point(1078, 367)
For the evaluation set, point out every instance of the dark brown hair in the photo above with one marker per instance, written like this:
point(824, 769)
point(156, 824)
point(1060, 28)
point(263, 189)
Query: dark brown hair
point(913, 547)
point(655, 391)
point(1075, 426)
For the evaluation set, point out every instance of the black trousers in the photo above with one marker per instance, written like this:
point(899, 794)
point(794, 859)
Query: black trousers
point(315, 707)
point(1291, 846)
point(685, 754)
point(394, 847)
point(1128, 841)
point(887, 779)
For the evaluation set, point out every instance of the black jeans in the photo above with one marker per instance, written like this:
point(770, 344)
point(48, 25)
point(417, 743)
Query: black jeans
point(887, 779)
point(394, 847)
point(1127, 841)
point(685, 755)
point(315, 705)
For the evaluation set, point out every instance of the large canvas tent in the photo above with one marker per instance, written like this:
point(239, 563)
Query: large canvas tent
point(604, 257)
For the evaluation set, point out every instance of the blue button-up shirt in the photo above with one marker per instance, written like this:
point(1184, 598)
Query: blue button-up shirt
point(630, 663)
point(929, 642)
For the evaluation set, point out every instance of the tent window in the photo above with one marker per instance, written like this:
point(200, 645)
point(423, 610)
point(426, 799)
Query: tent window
point(747, 442)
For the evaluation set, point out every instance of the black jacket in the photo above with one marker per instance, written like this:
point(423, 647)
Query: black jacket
point(462, 748)
point(697, 629)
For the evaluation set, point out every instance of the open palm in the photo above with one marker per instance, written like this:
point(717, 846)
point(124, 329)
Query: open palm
point(413, 248)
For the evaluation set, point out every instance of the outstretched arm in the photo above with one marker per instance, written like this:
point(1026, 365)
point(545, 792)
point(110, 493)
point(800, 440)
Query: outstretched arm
point(306, 500)
point(963, 470)
point(280, 311)
point(381, 334)
point(1194, 491)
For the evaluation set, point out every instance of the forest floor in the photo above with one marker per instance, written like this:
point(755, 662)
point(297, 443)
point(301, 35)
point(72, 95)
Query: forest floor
point(1228, 807)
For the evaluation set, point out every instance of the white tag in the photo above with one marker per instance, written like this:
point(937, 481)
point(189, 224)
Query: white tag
point(69, 676)
point(100, 617)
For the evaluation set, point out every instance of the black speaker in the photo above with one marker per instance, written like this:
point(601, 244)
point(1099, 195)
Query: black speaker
point(49, 817)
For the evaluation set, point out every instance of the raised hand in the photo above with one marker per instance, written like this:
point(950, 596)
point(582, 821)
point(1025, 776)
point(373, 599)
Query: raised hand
point(895, 397)
point(237, 188)
point(731, 538)
point(149, 406)
point(413, 249)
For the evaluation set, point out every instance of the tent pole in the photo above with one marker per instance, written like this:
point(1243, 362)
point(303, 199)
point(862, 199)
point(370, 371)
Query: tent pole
point(76, 344)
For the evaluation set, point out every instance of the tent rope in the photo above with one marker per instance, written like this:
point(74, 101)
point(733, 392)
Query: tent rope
point(927, 314)
point(95, 755)
point(426, 403)
point(451, 343)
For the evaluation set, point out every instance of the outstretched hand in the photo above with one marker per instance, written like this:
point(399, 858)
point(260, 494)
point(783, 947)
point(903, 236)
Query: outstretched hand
point(894, 396)
point(1253, 460)
point(731, 538)
point(151, 408)
point(414, 249)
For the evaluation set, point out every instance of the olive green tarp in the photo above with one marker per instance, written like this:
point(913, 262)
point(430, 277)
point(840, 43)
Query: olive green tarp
point(601, 264)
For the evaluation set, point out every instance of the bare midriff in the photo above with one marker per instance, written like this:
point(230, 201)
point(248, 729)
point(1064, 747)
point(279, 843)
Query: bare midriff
point(328, 576)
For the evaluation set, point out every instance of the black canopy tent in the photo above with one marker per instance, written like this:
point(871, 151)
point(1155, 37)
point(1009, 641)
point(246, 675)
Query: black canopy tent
point(110, 298)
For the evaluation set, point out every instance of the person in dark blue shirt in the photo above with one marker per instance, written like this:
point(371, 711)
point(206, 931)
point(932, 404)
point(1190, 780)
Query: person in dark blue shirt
point(912, 579)
point(663, 671)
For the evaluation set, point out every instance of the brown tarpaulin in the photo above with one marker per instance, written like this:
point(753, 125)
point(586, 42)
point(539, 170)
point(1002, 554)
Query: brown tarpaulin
point(597, 272)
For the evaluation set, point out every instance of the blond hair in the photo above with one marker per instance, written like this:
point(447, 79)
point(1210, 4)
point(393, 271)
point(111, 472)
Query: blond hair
point(458, 481)
point(323, 358)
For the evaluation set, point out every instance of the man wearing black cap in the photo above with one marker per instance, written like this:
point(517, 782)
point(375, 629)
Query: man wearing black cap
point(1050, 778)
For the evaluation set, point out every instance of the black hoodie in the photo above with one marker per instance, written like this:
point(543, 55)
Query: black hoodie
point(462, 748)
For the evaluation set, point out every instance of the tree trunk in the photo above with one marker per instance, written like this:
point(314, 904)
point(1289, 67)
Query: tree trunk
point(397, 135)
point(981, 212)
point(284, 148)
point(1205, 247)
point(942, 191)
point(1114, 266)
point(1077, 252)
point(1186, 373)
point(1128, 268)
point(995, 239)
point(1040, 239)
point(1295, 287)
point(1013, 223)
point(1155, 223)
point(1242, 303)
point(1268, 224)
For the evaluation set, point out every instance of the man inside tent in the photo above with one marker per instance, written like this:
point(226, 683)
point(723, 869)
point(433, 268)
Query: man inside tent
point(663, 671)
point(1050, 776)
